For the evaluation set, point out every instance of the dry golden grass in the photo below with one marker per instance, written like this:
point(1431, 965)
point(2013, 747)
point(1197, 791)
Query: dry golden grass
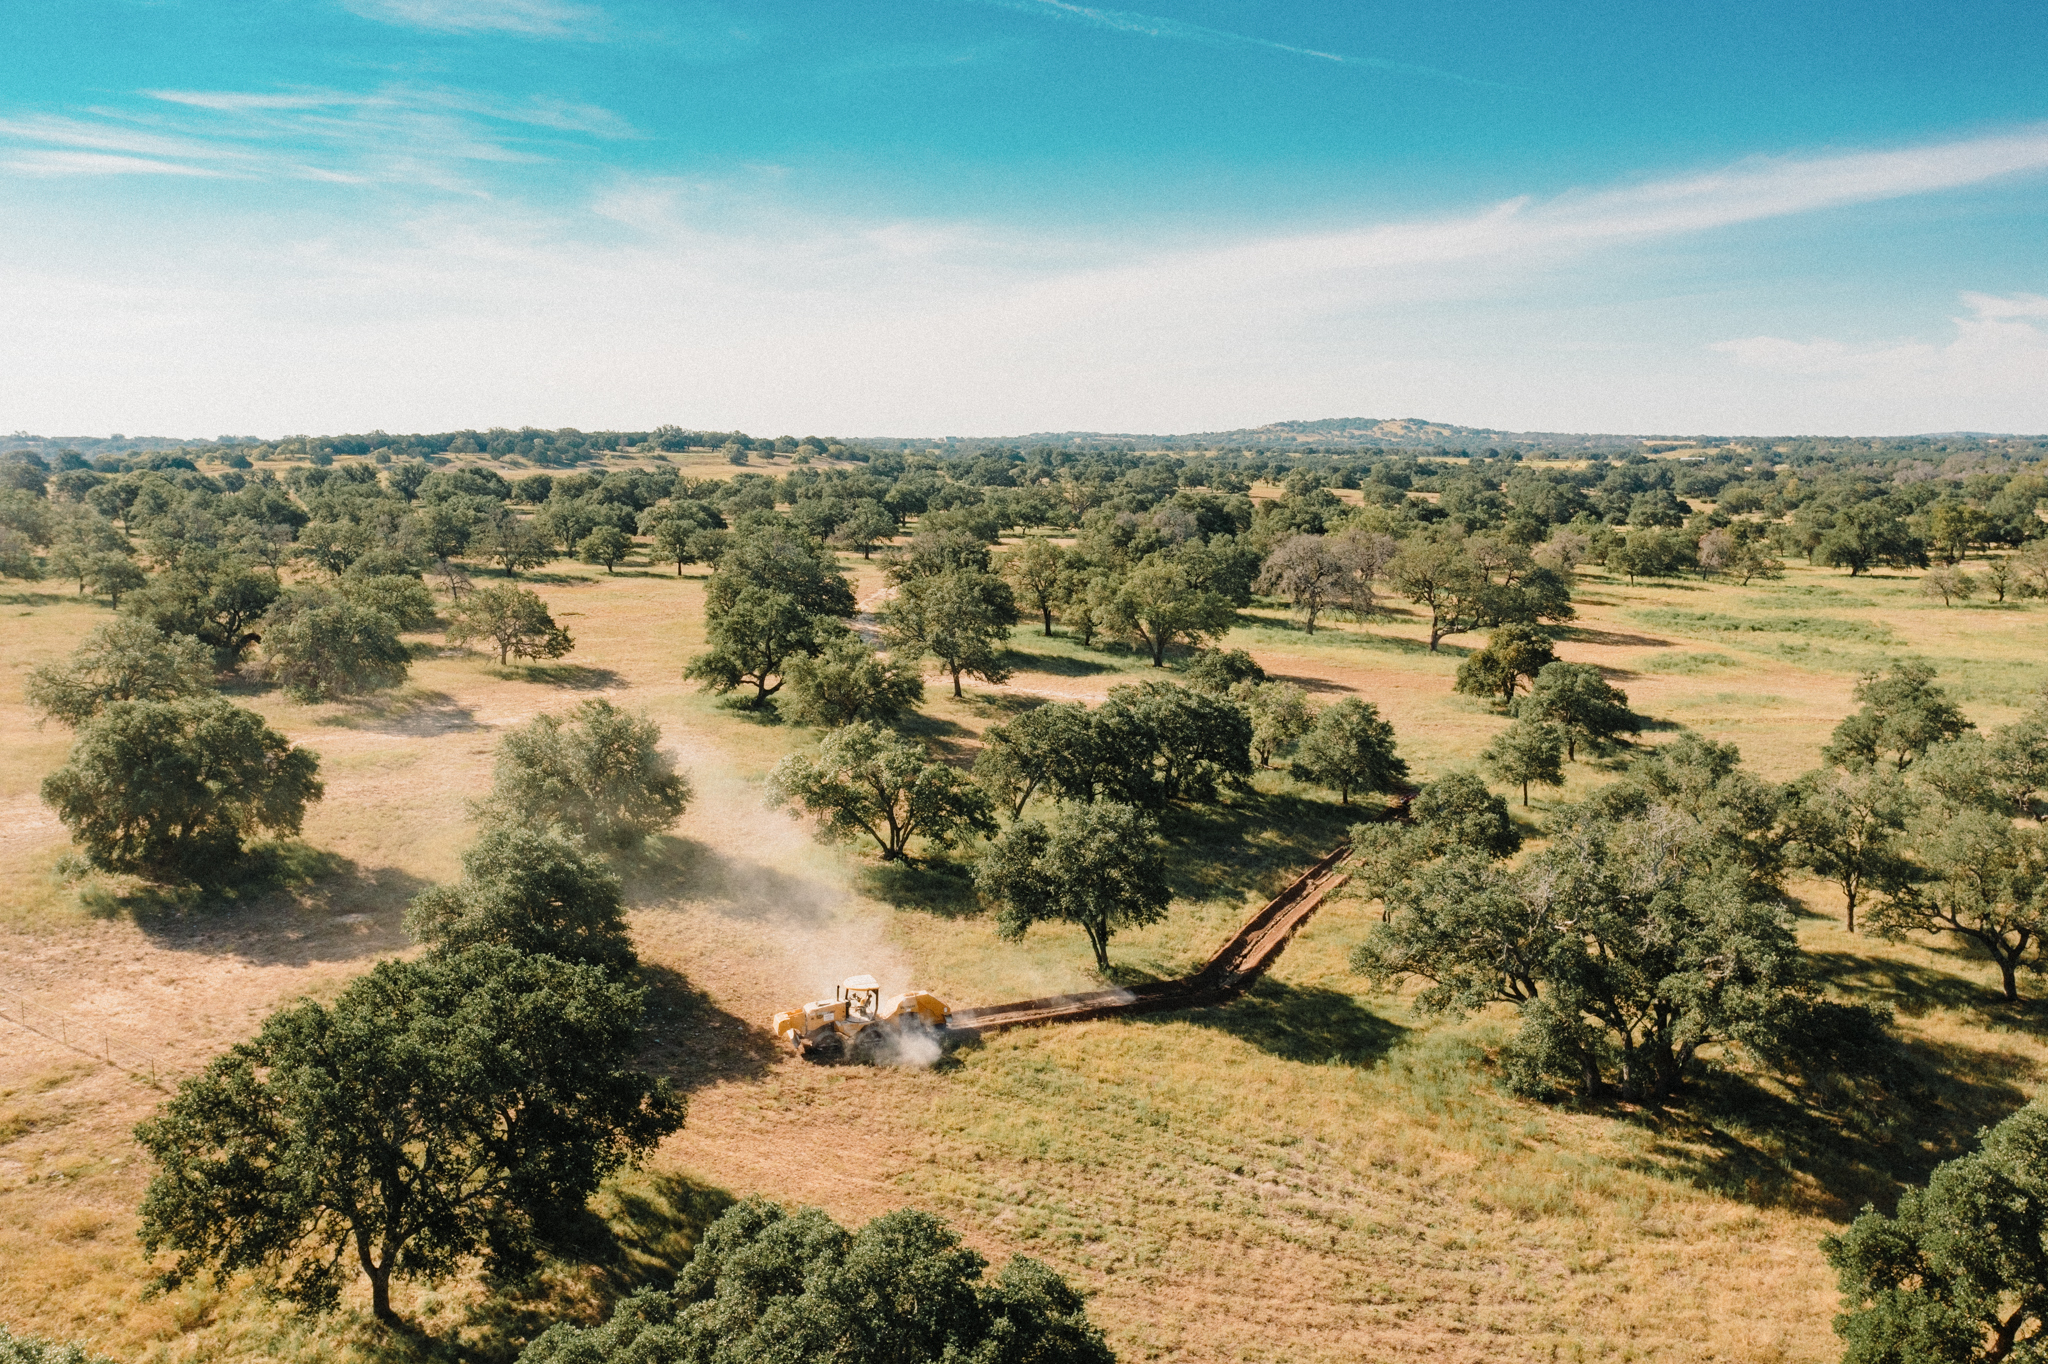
point(1311, 1174)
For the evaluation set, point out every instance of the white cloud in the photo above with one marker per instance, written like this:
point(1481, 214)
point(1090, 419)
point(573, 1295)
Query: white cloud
point(399, 134)
point(728, 304)
point(44, 163)
point(1995, 364)
point(533, 18)
point(1159, 26)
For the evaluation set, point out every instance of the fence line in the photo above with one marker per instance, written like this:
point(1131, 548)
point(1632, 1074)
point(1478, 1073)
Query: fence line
point(100, 1043)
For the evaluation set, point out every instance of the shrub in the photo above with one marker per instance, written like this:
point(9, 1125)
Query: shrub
point(319, 646)
point(122, 660)
point(601, 775)
point(514, 619)
point(849, 681)
point(172, 789)
point(765, 1285)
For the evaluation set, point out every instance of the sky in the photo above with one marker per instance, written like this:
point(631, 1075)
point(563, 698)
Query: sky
point(999, 217)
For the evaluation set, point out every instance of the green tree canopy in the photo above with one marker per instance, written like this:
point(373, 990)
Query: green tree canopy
point(1627, 944)
point(1904, 712)
point(866, 526)
point(123, 659)
point(961, 617)
point(319, 645)
point(514, 619)
point(536, 891)
point(173, 789)
point(1978, 875)
point(605, 545)
point(766, 1286)
point(1096, 865)
point(1525, 753)
point(1515, 654)
point(600, 774)
point(677, 528)
point(849, 681)
point(1351, 748)
point(440, 1111)
point(1037, 570)
point(865, 779)
point(1157, 744)
point(773, 595)
point(1868, 534)
point(216, 599)
point(1051, 747)
point(1157, 603)
point(401, 596)
point(1586, 708)
point(1958, 1274)
point(515, 543)
point(1220, 672)
point(1476, 583)
point(1849, 826)
point(1280, 717)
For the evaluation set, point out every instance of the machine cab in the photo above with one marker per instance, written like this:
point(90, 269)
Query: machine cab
point(862, 996)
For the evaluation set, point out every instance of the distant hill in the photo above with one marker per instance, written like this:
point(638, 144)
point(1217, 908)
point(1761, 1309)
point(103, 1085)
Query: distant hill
point(1383, 432)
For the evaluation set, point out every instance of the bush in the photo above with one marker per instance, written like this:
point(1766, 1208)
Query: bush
point(537, 892)
point(849, 681)
point(600, 775)
point(514, 619)
point(1958, 1272)
point(766, 1286)
point(172, 789)
point(123, 660)
point(320, 646)
point(1351, 748)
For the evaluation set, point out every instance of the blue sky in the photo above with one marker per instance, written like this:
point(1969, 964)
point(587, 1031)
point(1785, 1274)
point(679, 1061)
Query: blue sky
point(1000, 216)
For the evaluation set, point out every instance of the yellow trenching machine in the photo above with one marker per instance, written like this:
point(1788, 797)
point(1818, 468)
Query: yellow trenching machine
point(858, 1027)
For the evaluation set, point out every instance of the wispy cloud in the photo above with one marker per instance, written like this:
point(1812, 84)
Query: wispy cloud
point(1996, 349)
point(735, 302)
point(1159, 26)
point(532, 18)
point(99, 163)
point(396, 135)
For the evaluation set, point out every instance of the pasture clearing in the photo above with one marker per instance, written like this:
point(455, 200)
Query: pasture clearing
point(1310, 1174)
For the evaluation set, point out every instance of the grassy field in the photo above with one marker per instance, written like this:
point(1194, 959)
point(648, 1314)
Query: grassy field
point(1311, 1174)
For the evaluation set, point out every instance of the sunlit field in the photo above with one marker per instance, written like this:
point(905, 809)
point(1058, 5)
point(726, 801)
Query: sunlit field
point(1314, 1173)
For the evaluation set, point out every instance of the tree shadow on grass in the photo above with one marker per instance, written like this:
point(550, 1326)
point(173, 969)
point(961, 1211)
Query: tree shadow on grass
point(1058, 665)
point(406, 712)
point(1772, 1144)
point(288, 905)
point(691, 1042)
point(1586, 634)
point(936, 886)
point(1912, 989)
point(568, 676)
point(39, 598)
point(667, 869)
point(1310, 1024)
point(1255, 844)
point(640, 1230)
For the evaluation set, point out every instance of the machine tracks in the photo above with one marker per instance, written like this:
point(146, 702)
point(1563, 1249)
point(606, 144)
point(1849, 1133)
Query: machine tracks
point(1242, 959)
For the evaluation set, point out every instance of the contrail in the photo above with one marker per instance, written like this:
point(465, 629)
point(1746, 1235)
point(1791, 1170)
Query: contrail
point(1158, 26)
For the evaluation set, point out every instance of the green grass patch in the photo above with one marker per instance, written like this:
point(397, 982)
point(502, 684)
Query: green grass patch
point(1812, 627)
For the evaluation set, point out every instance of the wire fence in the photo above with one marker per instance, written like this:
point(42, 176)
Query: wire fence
point(89, 1039)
